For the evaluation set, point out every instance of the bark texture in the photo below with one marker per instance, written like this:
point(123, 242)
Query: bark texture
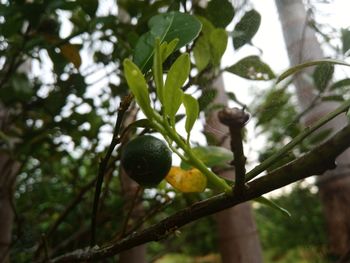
point(130, 189)
point(334, 186)
point(8, 171)
point(238, 236)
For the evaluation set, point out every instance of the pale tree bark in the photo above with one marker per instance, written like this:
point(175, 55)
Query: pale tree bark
point(238, 235)
point(9, 169)
point(130, 191)
point(334, 186)
point(130, 187)
point(8, 172)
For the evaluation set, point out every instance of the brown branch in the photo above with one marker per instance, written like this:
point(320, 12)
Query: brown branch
point(123, 107)
point(316, 162)
point(236, 119)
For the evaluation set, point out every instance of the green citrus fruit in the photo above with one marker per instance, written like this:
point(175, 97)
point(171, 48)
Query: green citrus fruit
point(147, 160)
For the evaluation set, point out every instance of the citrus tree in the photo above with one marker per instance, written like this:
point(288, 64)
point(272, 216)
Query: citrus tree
point(157, 59)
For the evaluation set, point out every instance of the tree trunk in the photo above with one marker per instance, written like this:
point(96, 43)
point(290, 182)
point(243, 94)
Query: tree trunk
point(334, 186)
point(130, 189)
point(238, 236)
point(8, 171)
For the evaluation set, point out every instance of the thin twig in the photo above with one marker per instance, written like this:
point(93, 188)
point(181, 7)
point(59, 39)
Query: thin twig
point(149, 215)
point(123, 107)
point(132, 206)
point(46, 247)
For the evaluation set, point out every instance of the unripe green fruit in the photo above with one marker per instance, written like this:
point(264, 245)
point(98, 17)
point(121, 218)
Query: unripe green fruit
point(147, 160)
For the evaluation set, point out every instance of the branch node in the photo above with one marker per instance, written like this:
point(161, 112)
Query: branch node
point(236, 119)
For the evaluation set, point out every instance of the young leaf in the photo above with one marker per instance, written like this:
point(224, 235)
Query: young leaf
point(345, 38)
point(340, 84)
point(138, 86)
point(218, 42)
point(300, 67)
point(246, 28)
point(252, 68)
point(192, 111)
point(200, 53)
point(207, 26)
point(167, 49)
point(187, 181)
point(272, 204)
point(158, 69)
point(166, 27)
point(322, 75)
point(211, 156)
point(176, 77)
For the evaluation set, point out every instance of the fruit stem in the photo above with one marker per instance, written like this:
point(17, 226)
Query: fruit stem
point(171, 133)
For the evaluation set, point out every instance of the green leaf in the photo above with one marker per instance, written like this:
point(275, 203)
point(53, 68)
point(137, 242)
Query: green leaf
point(345, 38)
point(89, 6)
point(207, 26)
point(207, 97)
point(220, 12)
point(200, 53)
point(333, 98)
point(158, 68)
point(192, 111)
point(252, 68)
point(167, 27)
point(211, 156)
point(246, 28)
point(141, 123)
point(272, 204)
point(300, 67)
point(322, 75)
point(218, 42)
point(340, 84)
point(138, 86)
point(176, 77)
point(167, 49)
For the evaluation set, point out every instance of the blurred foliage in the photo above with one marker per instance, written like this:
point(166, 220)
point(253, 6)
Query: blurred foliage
point(61, 83)
point(303, 233)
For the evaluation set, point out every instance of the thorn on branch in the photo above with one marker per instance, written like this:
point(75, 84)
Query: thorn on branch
point(236, 119)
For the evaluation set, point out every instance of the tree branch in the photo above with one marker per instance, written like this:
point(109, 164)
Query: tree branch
point(123, 107)
point(236, 119)
point(316, 162)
